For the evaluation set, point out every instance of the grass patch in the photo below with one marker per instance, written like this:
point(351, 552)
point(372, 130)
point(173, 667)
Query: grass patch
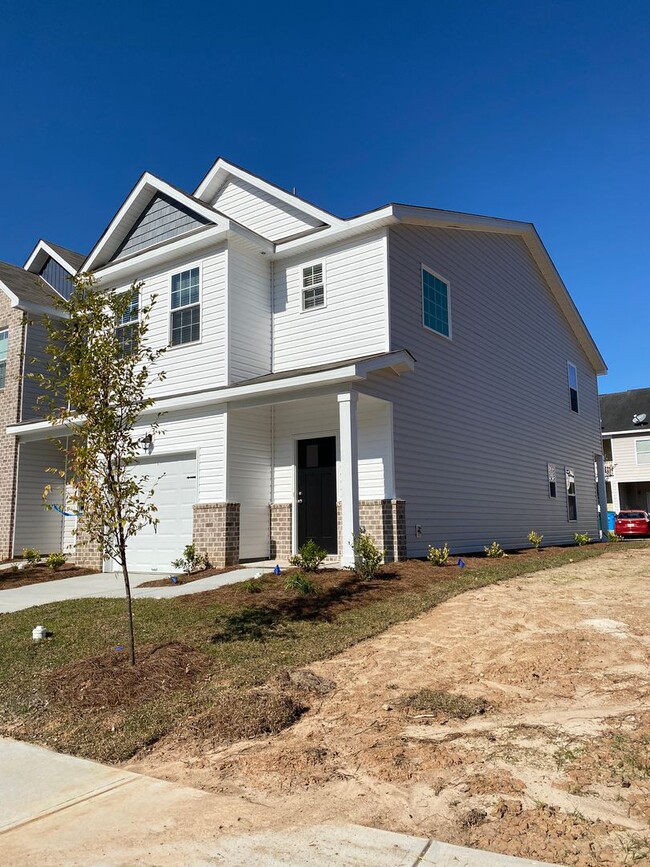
point(245, 641)
point(437, 702)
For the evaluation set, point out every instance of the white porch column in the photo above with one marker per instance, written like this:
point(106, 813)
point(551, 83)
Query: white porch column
point(602, 495)
point(349, 473)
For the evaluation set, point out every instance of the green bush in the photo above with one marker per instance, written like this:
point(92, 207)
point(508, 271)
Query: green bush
point(613, 537)
point(494, 550)
point(581, 539)
point(253, 585)
point(31, 555)
point(535, 539)
point(299, 583)
point(438, 556)
point(55, 560)
point(309, 557)
point(367, 556)
point(191, 561)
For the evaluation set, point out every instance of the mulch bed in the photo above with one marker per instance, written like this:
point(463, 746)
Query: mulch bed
point(337, 591)
point(39, 575)
point(188, 579)
point(109, 681)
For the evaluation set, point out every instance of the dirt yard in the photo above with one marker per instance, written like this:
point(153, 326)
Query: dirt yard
point(554, 764)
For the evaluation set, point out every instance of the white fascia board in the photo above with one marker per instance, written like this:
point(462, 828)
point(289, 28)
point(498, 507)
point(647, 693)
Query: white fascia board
point(252, 237)
point(148, 258)
point(418, 216)
point(15, 300)
point(153, 184)
point(43, 249)
point(637, 432)
point(347, 228)
point(222, 168)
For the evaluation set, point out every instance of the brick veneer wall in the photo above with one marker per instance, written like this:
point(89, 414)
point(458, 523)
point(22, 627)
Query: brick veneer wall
point(385, 522)
point(87, 554)
point(281, 531)
point(15, 321)
point(216, 532)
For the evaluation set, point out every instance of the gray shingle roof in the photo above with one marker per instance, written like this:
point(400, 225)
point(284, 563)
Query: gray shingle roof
point(618, 410)
point(29, 288)
point(75, 260)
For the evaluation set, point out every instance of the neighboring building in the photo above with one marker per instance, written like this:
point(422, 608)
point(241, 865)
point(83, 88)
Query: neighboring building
point(25, 295)
point(625, 418)
point(421, 373)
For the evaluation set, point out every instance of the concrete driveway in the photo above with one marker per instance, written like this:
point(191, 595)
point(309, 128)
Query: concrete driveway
point(59, 810)
point(110, 585)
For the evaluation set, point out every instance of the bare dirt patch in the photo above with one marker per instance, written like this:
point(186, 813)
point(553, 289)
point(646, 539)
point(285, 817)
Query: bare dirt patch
point(556, 769)
point(39, 575)
point(109, 681)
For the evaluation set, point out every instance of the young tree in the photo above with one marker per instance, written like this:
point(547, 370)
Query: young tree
point(94, 382)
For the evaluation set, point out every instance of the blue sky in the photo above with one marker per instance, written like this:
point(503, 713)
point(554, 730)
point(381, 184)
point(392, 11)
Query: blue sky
point(527, 110)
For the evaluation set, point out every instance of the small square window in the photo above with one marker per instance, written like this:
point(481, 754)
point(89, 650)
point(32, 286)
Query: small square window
point(4, 349)
point(186, 307)
point(436, 313)
point(313, 287)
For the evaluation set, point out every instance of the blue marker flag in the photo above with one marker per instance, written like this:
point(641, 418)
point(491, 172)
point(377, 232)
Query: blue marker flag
point(461, 563)
point(277, 570)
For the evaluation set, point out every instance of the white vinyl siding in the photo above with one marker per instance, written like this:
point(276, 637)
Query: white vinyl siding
point(355, 321)
point(643, 452)
point(249, 311)
point(475, 422)
point(262, 212)
point(249, 477)
point(625, 452)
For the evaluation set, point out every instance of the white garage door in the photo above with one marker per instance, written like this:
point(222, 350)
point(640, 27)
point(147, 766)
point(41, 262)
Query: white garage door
point(175, 494)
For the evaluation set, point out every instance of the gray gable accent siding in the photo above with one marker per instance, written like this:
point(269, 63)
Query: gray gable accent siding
point(161, 220)
point(57, 277)
point(477, 422)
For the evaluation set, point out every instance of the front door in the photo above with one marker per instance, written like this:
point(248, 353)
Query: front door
point(317, 492)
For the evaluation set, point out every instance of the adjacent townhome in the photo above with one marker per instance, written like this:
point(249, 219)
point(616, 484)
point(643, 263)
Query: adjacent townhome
point(26, 294)
point(422, 374)
point(625, 417)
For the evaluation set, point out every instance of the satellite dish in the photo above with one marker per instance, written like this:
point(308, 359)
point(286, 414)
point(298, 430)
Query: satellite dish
point(638, 418)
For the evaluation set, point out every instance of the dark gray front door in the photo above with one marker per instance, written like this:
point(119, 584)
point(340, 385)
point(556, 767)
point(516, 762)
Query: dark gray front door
point(317, 492)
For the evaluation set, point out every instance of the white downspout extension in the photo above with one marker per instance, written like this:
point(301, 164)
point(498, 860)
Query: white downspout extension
point(602, 495)
point(347, 402)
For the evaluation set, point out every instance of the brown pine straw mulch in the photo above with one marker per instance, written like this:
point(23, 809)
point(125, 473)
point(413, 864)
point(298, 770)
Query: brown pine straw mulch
point(188, 579)
point(40, 574)
point(109, 681)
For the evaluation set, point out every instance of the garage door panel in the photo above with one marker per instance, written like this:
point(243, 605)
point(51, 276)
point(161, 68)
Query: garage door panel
point(174, 480)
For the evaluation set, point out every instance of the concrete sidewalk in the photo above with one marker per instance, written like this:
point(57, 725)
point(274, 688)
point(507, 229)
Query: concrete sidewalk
point(110, 585)
point(59, 810)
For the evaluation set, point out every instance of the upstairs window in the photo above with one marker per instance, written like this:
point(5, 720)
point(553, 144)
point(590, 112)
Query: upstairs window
point(186, 307)
point(436, 314)
point(127, 327)
point(4, 346)
point(552, 480)
point(571, 499)
point(313, 287)
point(573, 386)
point(643, 452)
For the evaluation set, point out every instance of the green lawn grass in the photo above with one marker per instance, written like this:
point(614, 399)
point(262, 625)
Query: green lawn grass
point(260, 645)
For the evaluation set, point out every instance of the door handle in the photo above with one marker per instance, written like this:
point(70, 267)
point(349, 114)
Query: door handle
point(298, 502)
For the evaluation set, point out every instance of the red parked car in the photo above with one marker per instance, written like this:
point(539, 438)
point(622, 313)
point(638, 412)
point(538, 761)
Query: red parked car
point(632, 522)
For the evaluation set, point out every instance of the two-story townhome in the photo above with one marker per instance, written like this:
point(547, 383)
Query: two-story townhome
point(26, 294)
point(625, 417)
point(420, 373)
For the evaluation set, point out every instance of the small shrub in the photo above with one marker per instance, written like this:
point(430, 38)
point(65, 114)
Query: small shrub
point(55, 560)
point(299, 583)
point(581, 539)
point(438, 556)
point(32, 556)
point(191, 561)
point(494, 550)
point(310, 557)
point(253, 585)
point(367, 557)
point(535, 539)
point(613, 537)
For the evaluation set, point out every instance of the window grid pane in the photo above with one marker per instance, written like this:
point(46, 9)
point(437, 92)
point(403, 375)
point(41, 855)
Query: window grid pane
point(4, 344)
point(313, 288)
point(435, 301)
point(186, 326)
point(132, 313)
point(185, 288)
point(643, 452)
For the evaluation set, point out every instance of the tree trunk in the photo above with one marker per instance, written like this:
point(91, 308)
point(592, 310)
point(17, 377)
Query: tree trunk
point(127, 588)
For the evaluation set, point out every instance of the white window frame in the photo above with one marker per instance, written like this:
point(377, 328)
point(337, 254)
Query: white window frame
point(303, 268)
point(122, 325)
point(4, 378)
point(444, 280)
point(172, 310)
point(570, 366)
point(644, 441)
point(568, 472)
